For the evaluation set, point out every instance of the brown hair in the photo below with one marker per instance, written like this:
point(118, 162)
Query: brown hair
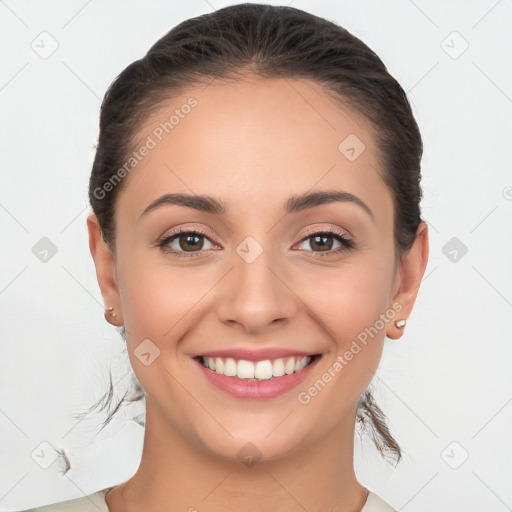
point(270, 42)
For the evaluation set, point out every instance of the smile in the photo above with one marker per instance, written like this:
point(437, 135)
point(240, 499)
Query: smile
point(257, 379)
point(256, 370)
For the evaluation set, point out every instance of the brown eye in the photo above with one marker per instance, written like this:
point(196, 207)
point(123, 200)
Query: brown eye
point(183, 242)
point(190, 242)
point(321, 243)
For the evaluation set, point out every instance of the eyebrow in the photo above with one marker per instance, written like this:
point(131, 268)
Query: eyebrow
point(294, 204)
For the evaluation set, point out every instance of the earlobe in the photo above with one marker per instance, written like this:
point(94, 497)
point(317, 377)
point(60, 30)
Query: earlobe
point(105, 270)
point(110, 316)
point(411, 270)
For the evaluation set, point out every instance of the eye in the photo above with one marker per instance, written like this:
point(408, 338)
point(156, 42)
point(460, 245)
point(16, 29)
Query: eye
point(187, 243)
point(322, 242)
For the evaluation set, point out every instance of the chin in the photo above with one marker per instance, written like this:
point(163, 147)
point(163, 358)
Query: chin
point(251, 444)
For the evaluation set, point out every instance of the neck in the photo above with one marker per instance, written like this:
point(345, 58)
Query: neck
point(176, 474)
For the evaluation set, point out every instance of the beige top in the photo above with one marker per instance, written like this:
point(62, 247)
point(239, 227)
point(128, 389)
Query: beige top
point(96, 502)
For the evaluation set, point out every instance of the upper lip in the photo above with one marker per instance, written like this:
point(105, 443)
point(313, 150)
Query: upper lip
point(248, 354)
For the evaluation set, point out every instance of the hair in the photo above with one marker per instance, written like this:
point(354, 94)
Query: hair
point(267, 42)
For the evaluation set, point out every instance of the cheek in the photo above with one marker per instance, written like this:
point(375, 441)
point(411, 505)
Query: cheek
point(349, 307)
point(160, 301)
point(349, 304)
point(157, 299)
point(349, 300)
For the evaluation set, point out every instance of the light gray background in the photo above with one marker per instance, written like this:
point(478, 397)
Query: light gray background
point(445, 386)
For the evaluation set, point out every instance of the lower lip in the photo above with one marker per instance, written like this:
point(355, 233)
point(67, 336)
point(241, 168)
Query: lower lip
point(241, 388)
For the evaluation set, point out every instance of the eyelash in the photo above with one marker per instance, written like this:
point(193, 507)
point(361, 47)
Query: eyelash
point(346, 243)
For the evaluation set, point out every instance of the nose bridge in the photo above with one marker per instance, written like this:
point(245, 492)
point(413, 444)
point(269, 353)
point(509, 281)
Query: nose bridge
point(256, 295)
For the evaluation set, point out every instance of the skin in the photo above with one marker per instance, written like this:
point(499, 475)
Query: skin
point(253, 144)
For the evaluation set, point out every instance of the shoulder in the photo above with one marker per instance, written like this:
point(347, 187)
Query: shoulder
point(96, 501)
point(92, 503)
point(376, 504)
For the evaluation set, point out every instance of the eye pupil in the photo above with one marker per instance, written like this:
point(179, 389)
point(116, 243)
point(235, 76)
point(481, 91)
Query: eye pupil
point(192, 242)
point(187, 238)
point(322, 245)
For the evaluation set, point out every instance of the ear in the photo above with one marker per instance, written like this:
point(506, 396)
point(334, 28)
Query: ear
point(105, 270)
point(410, 273)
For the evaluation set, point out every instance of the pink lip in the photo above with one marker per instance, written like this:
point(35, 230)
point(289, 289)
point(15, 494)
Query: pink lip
point(254, 355)
point(242, 388)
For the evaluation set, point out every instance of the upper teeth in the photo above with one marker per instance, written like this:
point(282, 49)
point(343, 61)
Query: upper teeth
point(263, 370)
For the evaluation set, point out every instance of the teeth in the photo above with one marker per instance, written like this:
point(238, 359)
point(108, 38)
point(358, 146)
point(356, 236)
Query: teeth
point(219, 365)
point(245, 369)
point(263, 370)
point(260, 370)
point(301, 363)
point(289, 366)
point(230, 367)
point(278, 368)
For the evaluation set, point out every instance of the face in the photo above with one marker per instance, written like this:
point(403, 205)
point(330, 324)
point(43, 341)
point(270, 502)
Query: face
point(257, 281)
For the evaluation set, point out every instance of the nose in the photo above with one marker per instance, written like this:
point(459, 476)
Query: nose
point(255, 296)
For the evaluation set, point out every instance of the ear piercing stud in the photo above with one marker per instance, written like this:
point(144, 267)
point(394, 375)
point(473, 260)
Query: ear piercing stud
point(400, 324)
point(109, 316)
point(109, 311)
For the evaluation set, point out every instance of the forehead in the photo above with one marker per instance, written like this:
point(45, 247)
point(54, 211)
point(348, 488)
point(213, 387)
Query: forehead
point(255, 140)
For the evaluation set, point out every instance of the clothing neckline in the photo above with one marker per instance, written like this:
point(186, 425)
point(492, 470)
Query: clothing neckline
point(373, 502)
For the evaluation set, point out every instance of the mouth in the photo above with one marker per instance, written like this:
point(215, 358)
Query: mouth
point(257, 371)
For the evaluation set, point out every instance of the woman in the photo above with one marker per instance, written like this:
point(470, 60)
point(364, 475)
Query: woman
point(256, 232)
